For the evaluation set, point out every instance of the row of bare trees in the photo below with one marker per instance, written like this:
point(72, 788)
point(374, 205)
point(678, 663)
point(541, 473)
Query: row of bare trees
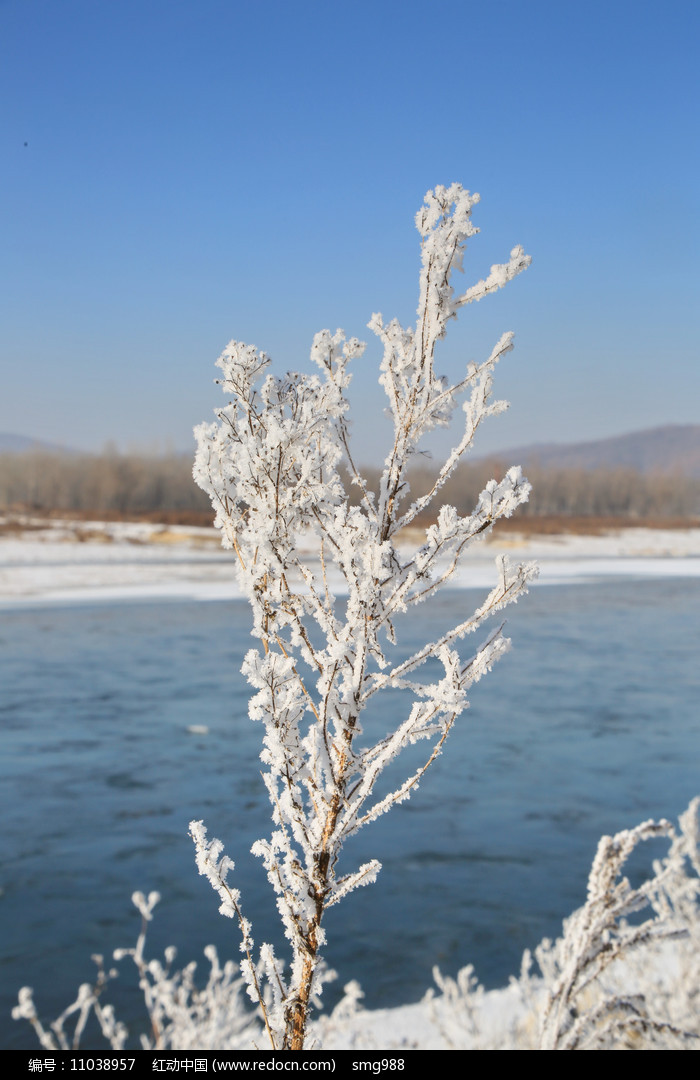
point(601, 492)
point(107, 483)
point(131, 484)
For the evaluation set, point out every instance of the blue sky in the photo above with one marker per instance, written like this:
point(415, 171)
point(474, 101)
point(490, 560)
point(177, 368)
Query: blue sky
point(198, 170)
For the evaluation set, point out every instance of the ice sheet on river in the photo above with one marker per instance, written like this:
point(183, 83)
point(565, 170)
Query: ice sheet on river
point(69, 563)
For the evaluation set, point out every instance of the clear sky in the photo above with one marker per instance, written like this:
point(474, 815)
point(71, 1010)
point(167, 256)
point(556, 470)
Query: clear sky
point(177, 173)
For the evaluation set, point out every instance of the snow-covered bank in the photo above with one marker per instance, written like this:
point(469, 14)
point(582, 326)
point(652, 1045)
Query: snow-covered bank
point(436, 1024)
point(72, 562)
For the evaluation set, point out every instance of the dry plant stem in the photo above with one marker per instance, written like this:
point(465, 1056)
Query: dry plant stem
point(272, 467)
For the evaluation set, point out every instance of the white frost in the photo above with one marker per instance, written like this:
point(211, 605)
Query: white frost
point(271, 465)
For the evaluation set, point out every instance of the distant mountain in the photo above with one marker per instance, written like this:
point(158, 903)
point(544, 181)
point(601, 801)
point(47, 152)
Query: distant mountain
point(19, 444)
point(674, 448)
point(671, 449)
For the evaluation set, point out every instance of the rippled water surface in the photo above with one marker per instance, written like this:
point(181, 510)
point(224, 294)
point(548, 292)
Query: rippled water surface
point(589, 725)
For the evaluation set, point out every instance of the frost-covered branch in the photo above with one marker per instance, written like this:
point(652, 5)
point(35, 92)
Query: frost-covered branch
point(180, 1014)
point(607, 983)
point(271, 464)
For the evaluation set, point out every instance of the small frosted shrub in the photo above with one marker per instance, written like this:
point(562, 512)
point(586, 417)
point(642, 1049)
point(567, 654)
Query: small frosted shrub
point(272, 464)
point(607, 983)
point(181, 1015)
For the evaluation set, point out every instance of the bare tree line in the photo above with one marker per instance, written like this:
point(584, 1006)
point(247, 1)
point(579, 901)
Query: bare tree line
point(108, 483)
point(600, 492)
point(124, 484)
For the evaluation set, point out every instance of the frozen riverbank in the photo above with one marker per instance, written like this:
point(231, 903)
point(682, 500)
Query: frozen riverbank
point(66, 562)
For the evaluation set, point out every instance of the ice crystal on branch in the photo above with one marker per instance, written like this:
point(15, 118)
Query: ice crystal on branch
point(271, 464)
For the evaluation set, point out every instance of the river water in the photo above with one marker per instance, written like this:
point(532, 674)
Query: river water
point(589, 725)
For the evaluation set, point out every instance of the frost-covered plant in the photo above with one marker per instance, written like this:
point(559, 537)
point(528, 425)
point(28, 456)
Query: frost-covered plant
point(181, 1015)
point(87, 1002)
point(271, 464)
point(580, 1011)
point(606, 983)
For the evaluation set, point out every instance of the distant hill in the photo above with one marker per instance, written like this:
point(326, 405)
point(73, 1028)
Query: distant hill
point(20, 444)
point(671, 449)
point(674, 448)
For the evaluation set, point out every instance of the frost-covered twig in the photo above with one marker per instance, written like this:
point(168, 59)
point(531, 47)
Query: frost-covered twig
point(86, 1002)
point(182, 1016)
point(607, 983)
point(272, 466)
point(598, 993)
